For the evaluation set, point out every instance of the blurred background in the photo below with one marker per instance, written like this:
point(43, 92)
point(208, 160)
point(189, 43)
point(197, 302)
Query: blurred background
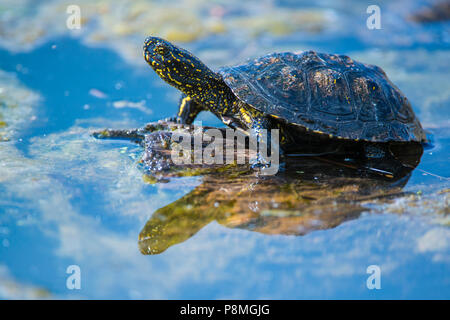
point(68, 199)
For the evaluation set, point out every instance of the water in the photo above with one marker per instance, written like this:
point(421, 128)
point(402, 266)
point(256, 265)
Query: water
point(69, 199)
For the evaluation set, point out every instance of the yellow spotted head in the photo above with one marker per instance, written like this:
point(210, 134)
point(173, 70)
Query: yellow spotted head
point(177, 66)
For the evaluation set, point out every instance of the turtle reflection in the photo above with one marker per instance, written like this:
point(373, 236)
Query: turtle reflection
point(311, 193)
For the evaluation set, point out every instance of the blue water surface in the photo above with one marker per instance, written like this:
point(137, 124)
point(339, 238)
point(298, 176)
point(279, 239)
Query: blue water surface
point(89, 209)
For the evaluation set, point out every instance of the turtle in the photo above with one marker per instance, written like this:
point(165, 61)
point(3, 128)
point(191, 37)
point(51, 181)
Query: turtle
point(312, 98)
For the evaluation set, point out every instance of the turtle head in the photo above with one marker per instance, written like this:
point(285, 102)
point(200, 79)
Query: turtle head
point(178, 67)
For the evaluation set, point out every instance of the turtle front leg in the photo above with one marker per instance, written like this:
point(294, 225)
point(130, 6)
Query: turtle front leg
point(136, 135)
point(188, 110)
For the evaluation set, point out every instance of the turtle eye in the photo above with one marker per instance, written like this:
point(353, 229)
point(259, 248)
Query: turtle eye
point(159, 49)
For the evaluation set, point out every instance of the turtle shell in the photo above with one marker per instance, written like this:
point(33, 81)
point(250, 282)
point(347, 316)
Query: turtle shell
point(330, 94)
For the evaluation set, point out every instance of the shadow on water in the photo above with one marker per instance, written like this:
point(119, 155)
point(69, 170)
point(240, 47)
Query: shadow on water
point(309, 193)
